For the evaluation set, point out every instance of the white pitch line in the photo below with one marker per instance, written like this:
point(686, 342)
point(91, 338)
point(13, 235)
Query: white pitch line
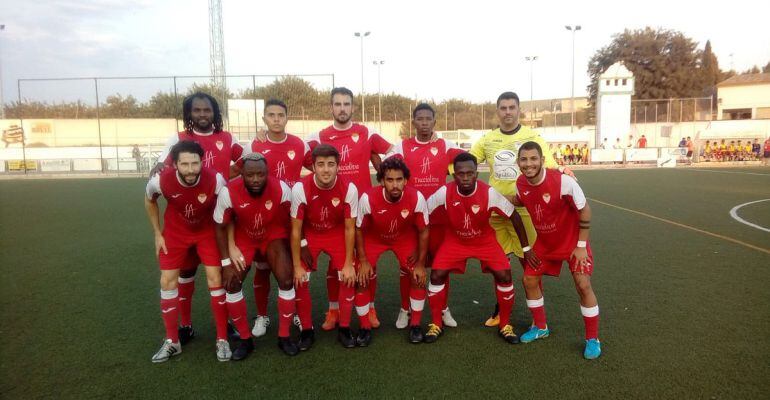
point(723, 172)
point(734, 214)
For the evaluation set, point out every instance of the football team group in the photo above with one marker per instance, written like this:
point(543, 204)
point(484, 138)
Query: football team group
point(234, 208)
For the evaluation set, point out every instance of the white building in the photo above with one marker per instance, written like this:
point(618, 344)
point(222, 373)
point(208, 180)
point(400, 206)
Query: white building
point(744, 97)
point(613, 115)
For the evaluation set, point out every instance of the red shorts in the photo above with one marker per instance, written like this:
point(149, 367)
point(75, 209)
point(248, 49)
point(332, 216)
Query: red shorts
point(403, 250)
point(453, 255)
point(553, 267)
point(333, 245)
point(255, 249)
point(186, 251)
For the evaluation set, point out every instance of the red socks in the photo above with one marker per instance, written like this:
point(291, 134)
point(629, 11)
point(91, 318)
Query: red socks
point(236, 307)
point(346, 296)
point(505, 297)
point(404, 283)
point(362, 308)
point(332, 286)
point(219, 310)
point(417, 303)
point(591, 321)
point(286, 309)
point(169, 311)
point(186, 290)
point(304, 305)
point(437, 298)
point(537, 308)
point(261, 289)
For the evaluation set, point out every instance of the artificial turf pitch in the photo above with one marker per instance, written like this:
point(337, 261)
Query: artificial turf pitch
point(683, 314)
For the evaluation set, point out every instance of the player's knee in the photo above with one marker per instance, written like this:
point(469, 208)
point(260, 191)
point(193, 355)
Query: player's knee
point(168, 283)
point(285, 282)
point(187, 273)
point(438, 277)
point(504, 279)
point(530, 281)
point(583, 285)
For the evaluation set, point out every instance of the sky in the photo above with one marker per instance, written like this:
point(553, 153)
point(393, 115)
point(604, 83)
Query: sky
point(432, 50)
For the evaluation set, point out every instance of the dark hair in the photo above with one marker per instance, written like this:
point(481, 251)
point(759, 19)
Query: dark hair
point(532, 146)
point(254, 157)
point(187, 111)
point(276, 102)
point(462, 157)
point(395, 164)
point(507, 96)
point(325, 150)
point(341, 90)
point(423, 106)
point(186, 146)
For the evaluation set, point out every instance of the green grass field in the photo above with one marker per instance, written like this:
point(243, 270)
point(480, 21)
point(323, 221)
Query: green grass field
point(684, 314)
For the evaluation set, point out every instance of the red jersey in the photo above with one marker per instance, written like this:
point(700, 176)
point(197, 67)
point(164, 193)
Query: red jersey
point(323, 210)
point(388, 222)
point(468, 216)
point(285, 159)
point(553, 205)
point(190, 208)
point(219, 149)
point(428, 162)
point(355, 146)
point(257, 218)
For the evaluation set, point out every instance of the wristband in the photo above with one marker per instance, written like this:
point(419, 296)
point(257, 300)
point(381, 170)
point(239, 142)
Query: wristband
point(303, 243)
point(581, 244)
point(526, 249)
point(226, 262)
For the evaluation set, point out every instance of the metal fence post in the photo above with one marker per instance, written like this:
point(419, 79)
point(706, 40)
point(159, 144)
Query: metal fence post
point(21, 124)
point(99, 123)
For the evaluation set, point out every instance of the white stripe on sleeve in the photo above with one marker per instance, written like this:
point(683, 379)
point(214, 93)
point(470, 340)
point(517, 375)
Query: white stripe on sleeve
point(297, 198)
point(570, 187)
point(364, 209)
point(223, 203)
point(497, 200)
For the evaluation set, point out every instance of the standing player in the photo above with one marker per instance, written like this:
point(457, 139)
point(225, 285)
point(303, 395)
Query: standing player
point(428, 159)
point(562, 219)
point(258, 206)
point(357, 147)
point(394, 217)
point(203, 124)
point(286, 154)
point(324, 207)
point(468, 204)
point(498, 148)
point(190, 191)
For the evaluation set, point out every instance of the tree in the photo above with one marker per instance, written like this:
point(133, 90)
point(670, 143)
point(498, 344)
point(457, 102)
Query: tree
point(665, 63)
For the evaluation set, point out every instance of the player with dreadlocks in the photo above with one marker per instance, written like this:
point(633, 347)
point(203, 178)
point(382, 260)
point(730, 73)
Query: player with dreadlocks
point(203, 124)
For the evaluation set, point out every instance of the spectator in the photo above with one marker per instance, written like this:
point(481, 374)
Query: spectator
point(617, 144)
point(137, 155)
point(689, 146)
point(604, 144)
point(766, 155)
point(642, 142)
point(630, 144)
point(756, 149)
point(682, 143)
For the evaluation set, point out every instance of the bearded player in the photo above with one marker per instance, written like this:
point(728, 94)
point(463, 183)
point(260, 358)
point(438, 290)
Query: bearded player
point(428, 159)
point(204, 125)
point(394, 217)
point(357, 148)
point(562, 219)
point(191, 194)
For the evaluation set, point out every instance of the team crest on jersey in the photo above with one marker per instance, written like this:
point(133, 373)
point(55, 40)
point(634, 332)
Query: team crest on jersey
point(202, 198)
point(354, 137)
point(269, 204)
point(475, 208)
point(434, 150)
point(404, 213)
point(335, 201)
point(220, 144)
point(290, 154)
point(546, 197)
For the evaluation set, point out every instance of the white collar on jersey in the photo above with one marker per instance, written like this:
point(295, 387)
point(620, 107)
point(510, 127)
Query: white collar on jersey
point(476, 186)
point(181, 182)
point(419, 142)
point(540, 182)
point(318, 186)
point(203, 133)
point(285, 136)
point(385, 196)
point(349, 125)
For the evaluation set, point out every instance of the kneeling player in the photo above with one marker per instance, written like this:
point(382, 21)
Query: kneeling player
point(191, 193)
point(468, 204)
point(562, 218)
point(324, 207)
point(258, 206)
point(394, 217)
